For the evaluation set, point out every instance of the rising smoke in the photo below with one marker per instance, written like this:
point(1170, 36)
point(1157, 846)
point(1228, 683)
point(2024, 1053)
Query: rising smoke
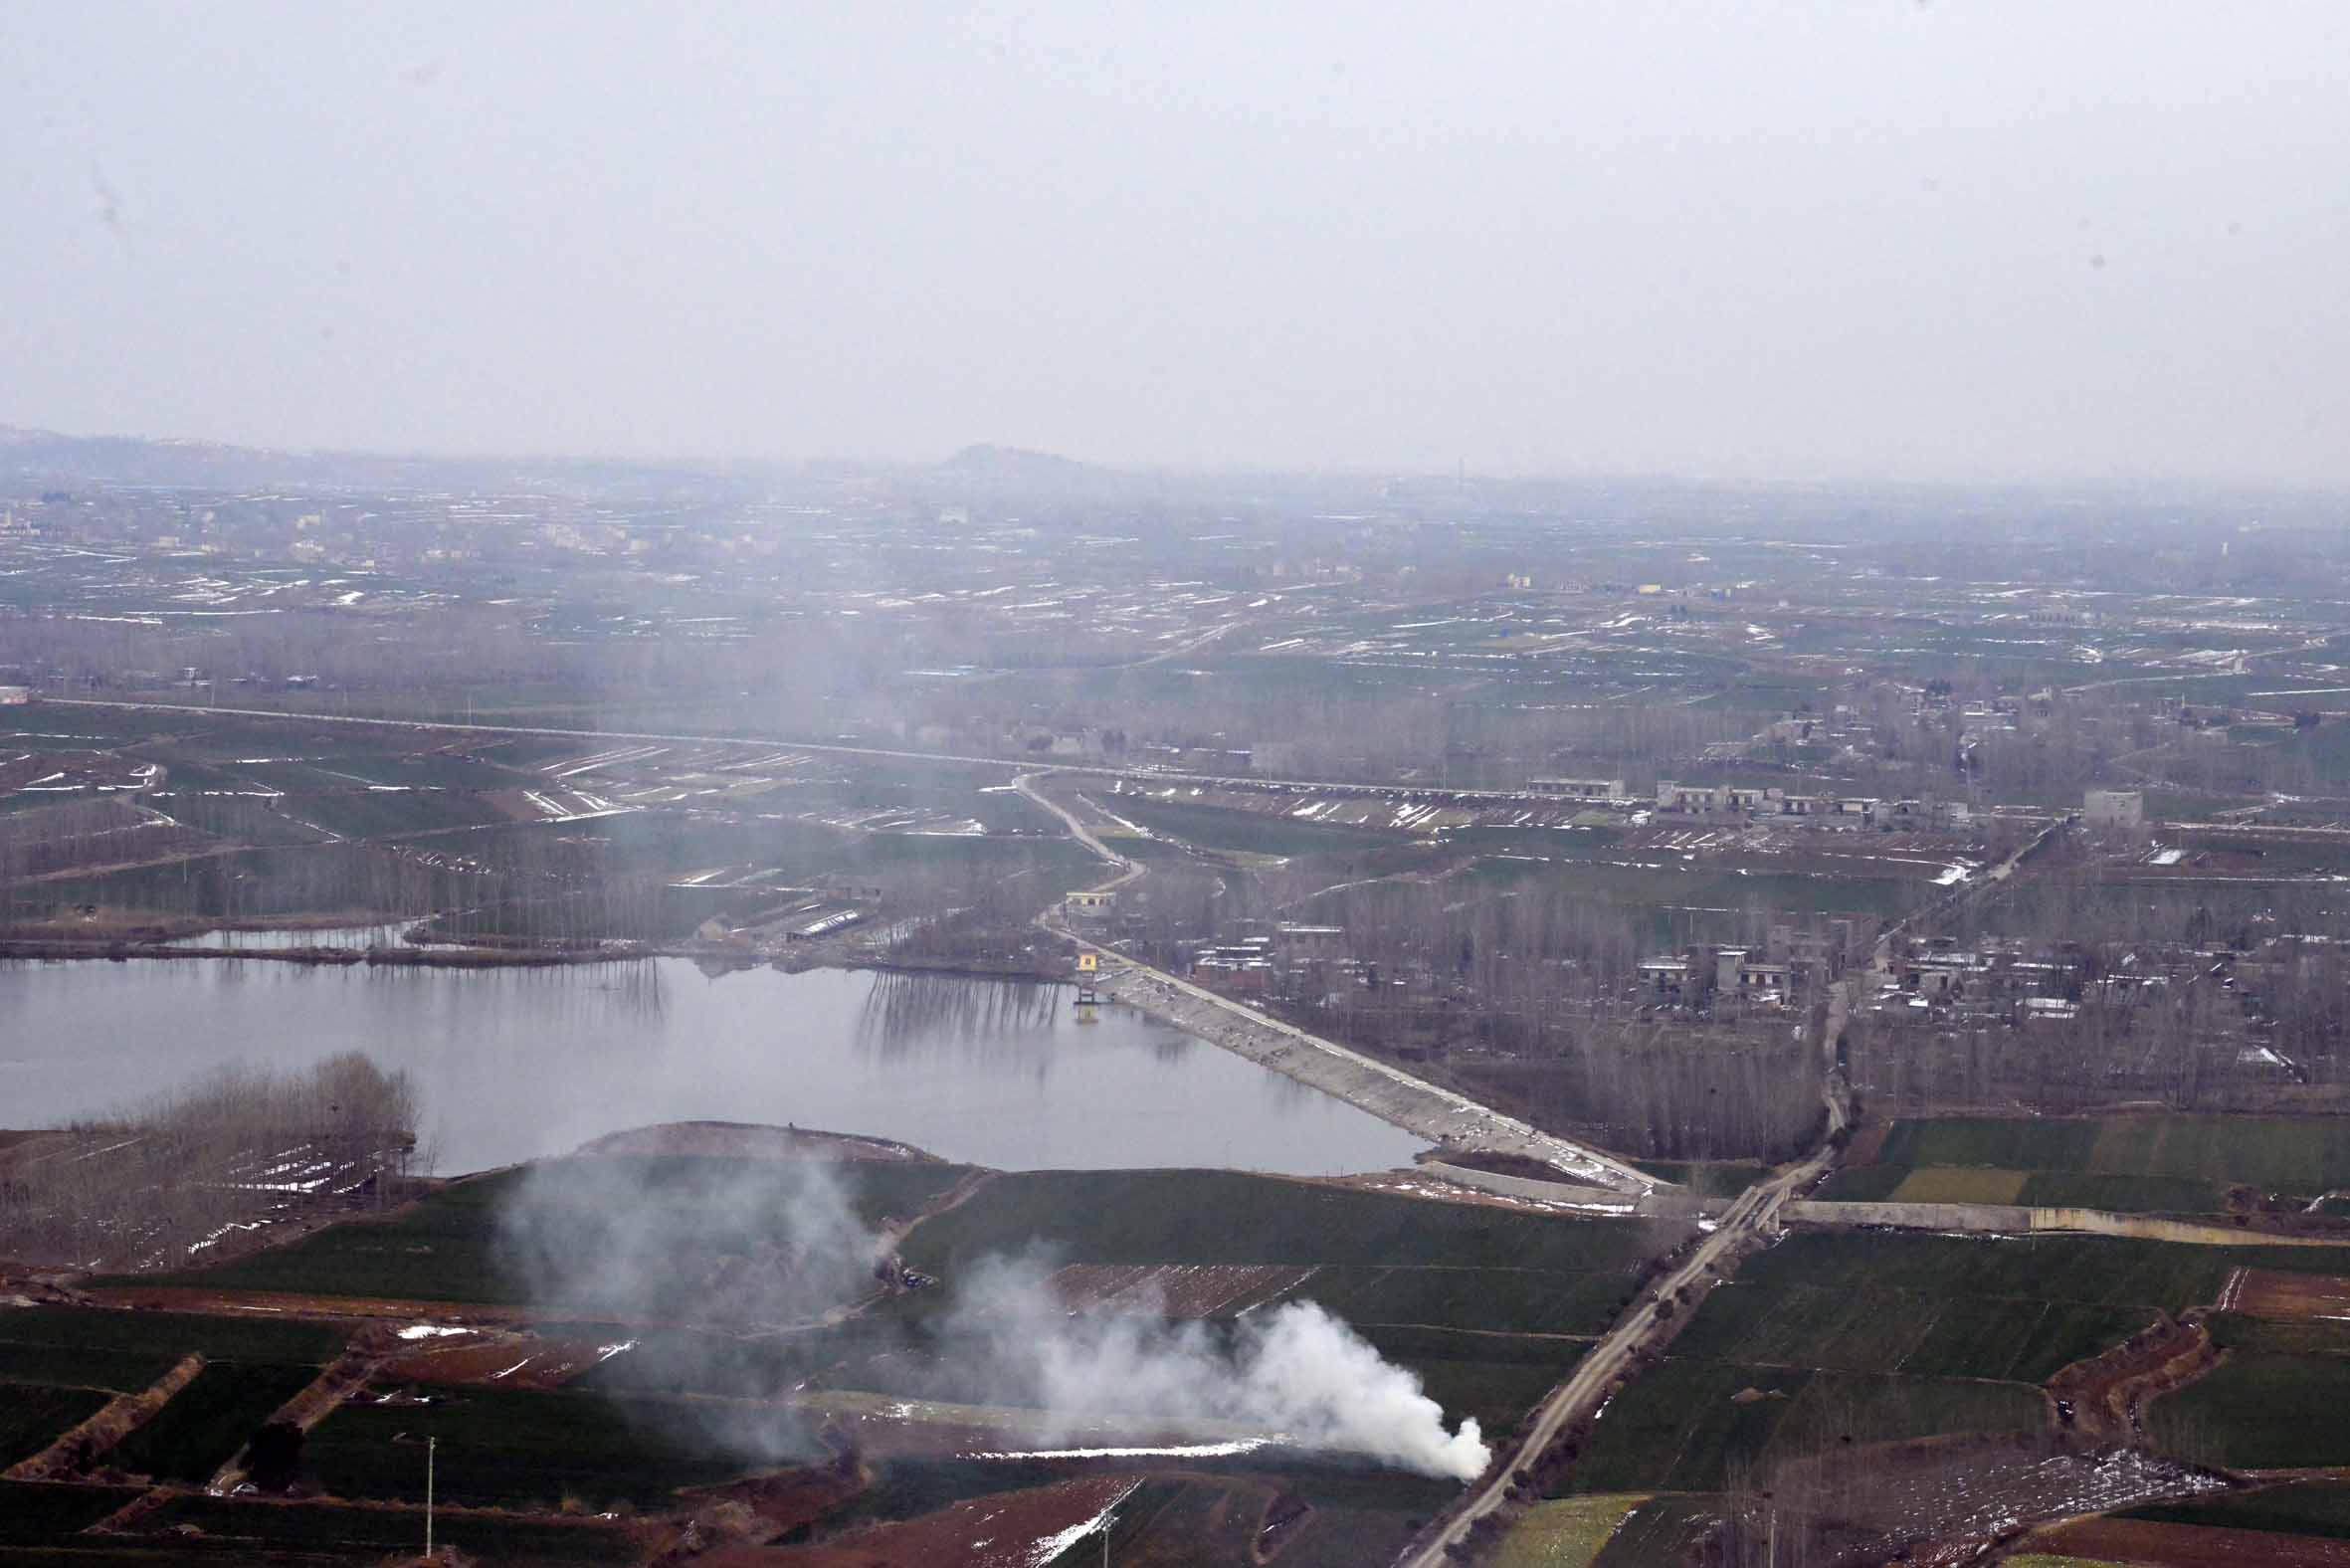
point(779, 1243)
point(1293, 1371)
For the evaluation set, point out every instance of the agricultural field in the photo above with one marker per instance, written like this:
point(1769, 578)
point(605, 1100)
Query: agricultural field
point(1228, 1217)
point(112, 1349)
point(365, 1534)
point(532, 1451)
point(2279, 1397)
point(205, 1422)
point(1659, 1532)
point(1688, 1424)
point(1568, 1532)
point(447, 1246)
point(1872, 1336)
point(2315, 1507)
point(34, 1511)
point(2179, 1164)
point(1486, 1304)
point(33, 1415)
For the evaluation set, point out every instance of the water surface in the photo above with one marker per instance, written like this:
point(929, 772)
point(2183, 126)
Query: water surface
point(515, 1063)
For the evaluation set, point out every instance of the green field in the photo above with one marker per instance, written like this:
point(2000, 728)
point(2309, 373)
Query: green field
point(32, 1417)
point(1872, 1301)
point(2155, 1164)
point(2260, 1411)
point(1688, 1424)
point(1960, 1184)
point(519, 1448)
point(1146, 1217)
point(1658, 1533)
point(75, 1334)
point(1874, 1335)
point(1496, 1378)
point(1511, 1300)
point(1566, 1533)
point(447, 1247)
point(37, 1510)
point(2284, 1153)
point(205, 1422)
point(1194, 1522)
point(2315, 1507)
point(116, 1371)
point(368, 1534)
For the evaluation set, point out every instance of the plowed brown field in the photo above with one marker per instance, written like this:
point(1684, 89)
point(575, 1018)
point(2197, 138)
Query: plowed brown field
point(2189, 1545)
point(2268, 1293)
point(1006, 1531)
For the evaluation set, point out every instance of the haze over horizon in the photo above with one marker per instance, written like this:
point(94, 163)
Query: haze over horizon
point(1921, 241)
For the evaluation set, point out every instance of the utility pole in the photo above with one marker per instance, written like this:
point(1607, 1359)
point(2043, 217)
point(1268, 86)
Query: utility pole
point(430, 1443)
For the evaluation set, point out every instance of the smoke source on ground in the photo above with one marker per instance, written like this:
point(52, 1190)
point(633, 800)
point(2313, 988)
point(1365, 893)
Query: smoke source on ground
point(779, 1243)
point(1293, 1371)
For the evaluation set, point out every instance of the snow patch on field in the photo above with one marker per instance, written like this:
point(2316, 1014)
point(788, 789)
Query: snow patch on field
point(1060, 1542)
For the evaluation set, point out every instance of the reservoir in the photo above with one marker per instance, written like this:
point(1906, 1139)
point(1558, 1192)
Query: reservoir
point(517, 1063)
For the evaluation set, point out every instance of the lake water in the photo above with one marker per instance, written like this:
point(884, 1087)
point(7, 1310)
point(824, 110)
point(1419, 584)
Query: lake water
point(515, 1064)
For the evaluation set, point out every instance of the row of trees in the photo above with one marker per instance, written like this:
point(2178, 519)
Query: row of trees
point(39, 841)
point(162, 1180)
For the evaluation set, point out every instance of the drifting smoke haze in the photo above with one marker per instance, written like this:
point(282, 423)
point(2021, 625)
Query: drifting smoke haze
point(780, 1244)
point(704, 1241)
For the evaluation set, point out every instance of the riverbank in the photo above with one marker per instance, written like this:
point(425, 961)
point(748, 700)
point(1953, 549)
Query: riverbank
point(712, 958)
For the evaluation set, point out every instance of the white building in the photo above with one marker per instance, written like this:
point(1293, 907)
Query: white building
point(2113, 808)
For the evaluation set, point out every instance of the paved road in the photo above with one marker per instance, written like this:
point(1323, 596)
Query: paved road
point(1468, 1123)
point(1755, 1211)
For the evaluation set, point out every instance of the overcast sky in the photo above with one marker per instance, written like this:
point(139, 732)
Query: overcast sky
point(1954, 240)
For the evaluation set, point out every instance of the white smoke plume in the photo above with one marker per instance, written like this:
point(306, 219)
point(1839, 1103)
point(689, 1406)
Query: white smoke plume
point(778, 1244)
point(1293, 1371)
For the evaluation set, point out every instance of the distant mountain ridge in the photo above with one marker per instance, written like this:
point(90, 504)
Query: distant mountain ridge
point(50, 457)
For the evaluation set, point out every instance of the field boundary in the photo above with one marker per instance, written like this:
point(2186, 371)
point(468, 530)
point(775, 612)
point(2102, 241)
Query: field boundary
point(109, 1424)
point(1988, 1218)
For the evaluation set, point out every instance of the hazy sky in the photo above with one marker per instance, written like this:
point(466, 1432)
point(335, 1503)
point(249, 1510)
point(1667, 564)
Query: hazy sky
point(1960, 239)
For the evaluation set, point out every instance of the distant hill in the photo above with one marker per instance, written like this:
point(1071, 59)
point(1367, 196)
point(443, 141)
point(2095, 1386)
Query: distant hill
point(1015, 462)
point(49, 458)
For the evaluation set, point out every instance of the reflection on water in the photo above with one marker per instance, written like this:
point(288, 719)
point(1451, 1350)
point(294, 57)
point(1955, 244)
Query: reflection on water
point(519, 1063)
point(908, 1016)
